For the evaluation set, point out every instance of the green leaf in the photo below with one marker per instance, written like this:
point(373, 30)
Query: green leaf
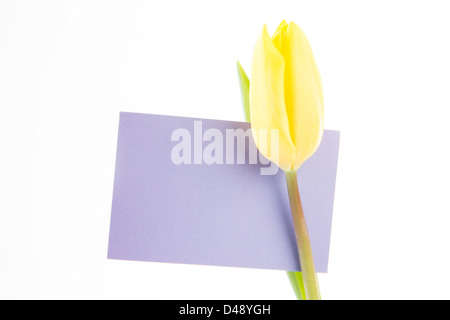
point(245, 86)
point(299, 277)
point(294, 283)
point(297, 284)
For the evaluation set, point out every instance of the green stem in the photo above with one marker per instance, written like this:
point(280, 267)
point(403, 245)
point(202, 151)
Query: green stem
point(310, 282)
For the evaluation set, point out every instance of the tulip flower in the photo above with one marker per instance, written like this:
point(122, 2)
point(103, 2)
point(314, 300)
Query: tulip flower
point(285, 94)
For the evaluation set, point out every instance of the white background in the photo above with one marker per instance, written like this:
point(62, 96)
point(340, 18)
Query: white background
point(68, 67)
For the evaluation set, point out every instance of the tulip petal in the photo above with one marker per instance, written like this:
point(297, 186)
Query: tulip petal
point(267, 104)
point(279, 37)
point(303, 94)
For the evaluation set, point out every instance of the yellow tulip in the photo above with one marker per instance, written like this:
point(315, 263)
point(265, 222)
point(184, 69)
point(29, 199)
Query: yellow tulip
point(286, 95)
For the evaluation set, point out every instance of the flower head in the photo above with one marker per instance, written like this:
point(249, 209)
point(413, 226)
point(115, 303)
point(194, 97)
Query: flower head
point(286, 95)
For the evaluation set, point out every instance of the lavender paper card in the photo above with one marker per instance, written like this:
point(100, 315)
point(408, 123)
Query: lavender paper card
point(188, 191)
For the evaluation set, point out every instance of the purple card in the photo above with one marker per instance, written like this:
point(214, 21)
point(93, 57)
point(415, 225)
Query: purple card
point(192, 191)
